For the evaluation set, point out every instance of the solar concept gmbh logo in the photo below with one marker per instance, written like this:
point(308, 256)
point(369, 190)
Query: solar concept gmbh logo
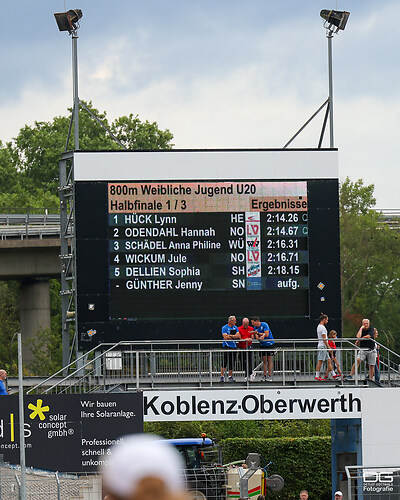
point(38, 410)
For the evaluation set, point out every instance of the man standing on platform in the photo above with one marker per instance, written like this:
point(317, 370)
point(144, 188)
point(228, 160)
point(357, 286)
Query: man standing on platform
point(263, 333)
point(367, 350)
point(229, 332)
point(246, 334)
point(323, 349)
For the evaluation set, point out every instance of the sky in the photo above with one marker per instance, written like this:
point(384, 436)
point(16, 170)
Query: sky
point(216, 73)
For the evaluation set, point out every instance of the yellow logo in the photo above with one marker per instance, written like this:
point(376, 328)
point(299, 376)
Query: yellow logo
point(38, 410)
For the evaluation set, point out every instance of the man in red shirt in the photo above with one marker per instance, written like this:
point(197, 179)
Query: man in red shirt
point(246, 356)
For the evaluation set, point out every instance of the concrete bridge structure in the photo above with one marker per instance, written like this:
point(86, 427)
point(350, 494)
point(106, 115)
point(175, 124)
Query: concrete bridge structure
point(29, 253)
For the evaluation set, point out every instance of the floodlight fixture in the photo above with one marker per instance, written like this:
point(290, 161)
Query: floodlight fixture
point(68, 21)
point(335, 20)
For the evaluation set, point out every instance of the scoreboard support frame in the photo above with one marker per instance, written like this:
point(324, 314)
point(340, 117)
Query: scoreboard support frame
point(68, 254)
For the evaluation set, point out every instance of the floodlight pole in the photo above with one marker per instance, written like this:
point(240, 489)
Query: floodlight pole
point(75, 87)
point(329, 36)
point(21, 421)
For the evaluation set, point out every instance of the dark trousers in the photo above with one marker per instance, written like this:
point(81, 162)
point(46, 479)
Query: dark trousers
point(229, 358)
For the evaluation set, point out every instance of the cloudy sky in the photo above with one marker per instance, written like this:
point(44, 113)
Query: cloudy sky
point(217, 73)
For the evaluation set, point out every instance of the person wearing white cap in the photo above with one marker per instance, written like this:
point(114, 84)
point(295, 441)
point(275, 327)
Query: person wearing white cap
point(143, 467)
point(338, 495)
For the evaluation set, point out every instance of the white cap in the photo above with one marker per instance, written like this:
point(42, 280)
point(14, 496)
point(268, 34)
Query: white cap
point(140, 456)
point(338, 493)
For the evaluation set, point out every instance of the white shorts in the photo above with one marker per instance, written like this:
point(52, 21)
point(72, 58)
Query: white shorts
point(368, 355)
point(323, 354)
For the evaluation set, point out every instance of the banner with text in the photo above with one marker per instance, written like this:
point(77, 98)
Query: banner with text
point(68, 432)
point(255, 405)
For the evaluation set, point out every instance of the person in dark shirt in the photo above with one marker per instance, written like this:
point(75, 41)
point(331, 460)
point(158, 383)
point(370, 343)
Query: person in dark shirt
point(367, 350)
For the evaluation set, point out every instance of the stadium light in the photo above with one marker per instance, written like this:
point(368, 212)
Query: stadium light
point(335, 20)
point(68, 21)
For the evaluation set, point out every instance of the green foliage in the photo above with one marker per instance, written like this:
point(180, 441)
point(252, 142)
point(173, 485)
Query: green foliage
point(22, 199)
point(355, 198)
point(303, 462)
point(370, 256)
point(9, 325)
point(299, 449)
point(55, 305)
point(219, 430)
point(47, 347)
point(7, 168)
point(47, 353)
point(37, 149)
point(135, 134)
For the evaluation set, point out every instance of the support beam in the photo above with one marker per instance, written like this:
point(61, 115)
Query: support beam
point(34, 313)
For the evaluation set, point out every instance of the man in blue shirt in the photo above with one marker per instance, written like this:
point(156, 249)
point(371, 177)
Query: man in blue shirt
point(229, 331)
point(263, 332)
point(3, 390)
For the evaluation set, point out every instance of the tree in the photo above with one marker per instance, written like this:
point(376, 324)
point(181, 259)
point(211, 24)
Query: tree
point(31, 160)
point(370, 256)
point(8, 325)
point(8, 169)
point(134, 134)
point(29, 175)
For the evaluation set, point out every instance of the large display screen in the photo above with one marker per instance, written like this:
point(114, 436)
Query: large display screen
point(190, 246)
point(159, 257)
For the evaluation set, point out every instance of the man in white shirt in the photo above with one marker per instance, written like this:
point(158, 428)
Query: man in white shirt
point(323, 348)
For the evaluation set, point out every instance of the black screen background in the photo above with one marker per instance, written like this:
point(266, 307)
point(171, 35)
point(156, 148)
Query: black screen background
point(207, 312)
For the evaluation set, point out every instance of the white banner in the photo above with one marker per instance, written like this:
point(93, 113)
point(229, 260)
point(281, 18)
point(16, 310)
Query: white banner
point(203, 164)
point(254, 404)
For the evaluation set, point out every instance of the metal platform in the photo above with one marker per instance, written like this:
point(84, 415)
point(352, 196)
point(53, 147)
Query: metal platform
point(129, 366)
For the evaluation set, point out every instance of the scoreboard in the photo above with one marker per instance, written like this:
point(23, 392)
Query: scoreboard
point(190, 242)
point(168, 250)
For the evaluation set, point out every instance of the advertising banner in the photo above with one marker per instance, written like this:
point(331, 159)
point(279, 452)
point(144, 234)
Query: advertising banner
point(68, 432)
point(255, 405)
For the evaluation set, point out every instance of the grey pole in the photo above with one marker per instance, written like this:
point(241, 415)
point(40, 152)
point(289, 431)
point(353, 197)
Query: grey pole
point(21, 422)
point(75, 85)
point(331, 141)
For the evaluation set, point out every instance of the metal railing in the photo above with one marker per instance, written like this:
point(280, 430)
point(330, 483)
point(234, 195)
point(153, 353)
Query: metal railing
point(46, 485)
point(373, 482)
point(42, 222)
point(147, 365)
point(390, 217)
point(31, 222)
